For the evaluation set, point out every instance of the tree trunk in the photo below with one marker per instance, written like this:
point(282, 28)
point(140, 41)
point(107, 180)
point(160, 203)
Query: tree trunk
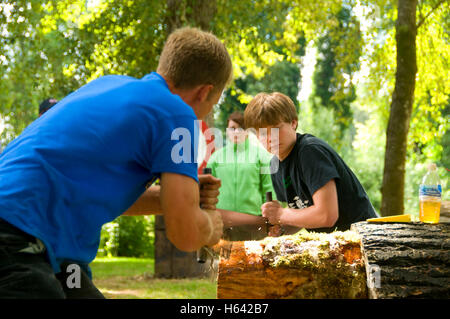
point(202, 13)
point(295, 266)
point(171, 262)
point(196, 13)
point(401, 109)
point(406, 260)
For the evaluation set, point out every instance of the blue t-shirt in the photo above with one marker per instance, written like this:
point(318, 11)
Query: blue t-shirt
point(88, 159)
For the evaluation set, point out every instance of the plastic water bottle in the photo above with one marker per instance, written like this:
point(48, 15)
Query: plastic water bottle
point(430, 196)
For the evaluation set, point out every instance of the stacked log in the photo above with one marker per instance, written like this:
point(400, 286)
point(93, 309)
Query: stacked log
point(303, 265)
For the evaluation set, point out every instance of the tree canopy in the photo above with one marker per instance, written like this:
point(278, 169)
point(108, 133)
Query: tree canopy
point(51, 48)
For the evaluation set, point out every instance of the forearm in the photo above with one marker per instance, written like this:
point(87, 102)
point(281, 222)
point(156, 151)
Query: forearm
point(232, 218)
point(191, 233)
point(147, 204)
point(310, 217)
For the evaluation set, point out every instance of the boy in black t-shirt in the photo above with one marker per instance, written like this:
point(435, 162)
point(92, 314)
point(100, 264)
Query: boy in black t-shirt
point(322, 192)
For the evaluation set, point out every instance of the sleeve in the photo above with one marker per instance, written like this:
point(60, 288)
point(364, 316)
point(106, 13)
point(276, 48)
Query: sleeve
point(174, 149)
point(317, 168)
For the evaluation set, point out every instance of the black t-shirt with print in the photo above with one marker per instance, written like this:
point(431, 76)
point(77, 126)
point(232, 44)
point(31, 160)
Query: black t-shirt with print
point(309, 166)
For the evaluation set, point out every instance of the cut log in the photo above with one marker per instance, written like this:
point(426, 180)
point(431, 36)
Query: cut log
point(406, 260)
point(303, 265)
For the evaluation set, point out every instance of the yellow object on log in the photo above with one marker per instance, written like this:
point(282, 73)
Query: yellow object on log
point(406, 218)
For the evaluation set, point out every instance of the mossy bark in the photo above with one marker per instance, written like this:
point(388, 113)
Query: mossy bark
point(303, 265)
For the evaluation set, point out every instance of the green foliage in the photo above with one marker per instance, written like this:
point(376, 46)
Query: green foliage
point(334, 71)
point(429, 120)
point(282, 77)
point(130, 236)
point(109, 240)
point(50, 48)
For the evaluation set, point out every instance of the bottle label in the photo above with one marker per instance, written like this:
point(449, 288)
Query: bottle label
point(434, 191)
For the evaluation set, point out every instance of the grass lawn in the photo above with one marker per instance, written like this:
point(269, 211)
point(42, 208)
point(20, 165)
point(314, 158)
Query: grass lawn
point(132, 278)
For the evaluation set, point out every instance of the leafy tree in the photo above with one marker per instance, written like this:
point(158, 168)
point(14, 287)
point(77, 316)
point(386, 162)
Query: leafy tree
point(335, 67)
point(51, 48)
point(401, 109)
point(282, 77)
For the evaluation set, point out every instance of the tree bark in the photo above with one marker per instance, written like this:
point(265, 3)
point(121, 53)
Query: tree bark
point(254, 270)
point(195, 13)
point(401, 108)
point(406, 260)
point(174, 16)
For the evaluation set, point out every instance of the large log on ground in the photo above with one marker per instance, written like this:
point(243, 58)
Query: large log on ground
point(303, 265)
point(406, 260)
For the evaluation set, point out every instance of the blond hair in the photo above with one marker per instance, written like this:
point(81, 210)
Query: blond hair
point(268, 109)
point(192, 57)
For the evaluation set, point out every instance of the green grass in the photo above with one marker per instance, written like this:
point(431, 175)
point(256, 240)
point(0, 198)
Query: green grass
point(104, 267)
point(132, 278)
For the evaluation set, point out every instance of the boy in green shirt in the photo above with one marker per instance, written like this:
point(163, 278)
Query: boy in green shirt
point(243, 168)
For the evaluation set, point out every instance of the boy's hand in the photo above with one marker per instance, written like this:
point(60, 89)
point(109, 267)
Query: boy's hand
point(209, 191)
point(272, 211)
point(275, 231)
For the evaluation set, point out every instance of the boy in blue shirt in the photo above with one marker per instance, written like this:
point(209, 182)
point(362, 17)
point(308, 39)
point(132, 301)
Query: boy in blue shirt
point(95, 154)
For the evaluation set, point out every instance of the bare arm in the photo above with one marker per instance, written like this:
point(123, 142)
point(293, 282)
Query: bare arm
point(231, 218)
point(147, 204)
point(187, 226)
point(324, 212)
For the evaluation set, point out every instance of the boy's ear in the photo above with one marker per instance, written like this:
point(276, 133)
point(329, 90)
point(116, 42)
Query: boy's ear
point(203, 91)
point(294, 124)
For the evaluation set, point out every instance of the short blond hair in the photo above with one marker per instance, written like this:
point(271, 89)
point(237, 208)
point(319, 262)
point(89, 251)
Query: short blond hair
point(192, 57)
point(268, 109)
